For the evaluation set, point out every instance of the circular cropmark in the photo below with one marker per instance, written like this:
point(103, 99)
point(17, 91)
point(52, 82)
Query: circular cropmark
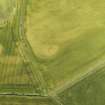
point(46, 51)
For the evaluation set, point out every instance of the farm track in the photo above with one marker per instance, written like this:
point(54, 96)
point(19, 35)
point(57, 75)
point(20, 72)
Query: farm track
point(91, 70)
point(32, 70)
point(28, 55)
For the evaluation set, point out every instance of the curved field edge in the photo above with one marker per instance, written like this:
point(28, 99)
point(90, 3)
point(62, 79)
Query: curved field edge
point(51, 23)
point(82, 53)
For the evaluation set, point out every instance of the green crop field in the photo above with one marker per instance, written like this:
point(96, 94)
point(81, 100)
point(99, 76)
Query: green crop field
point(67, 39)
point(90, 91)
point(52, 52)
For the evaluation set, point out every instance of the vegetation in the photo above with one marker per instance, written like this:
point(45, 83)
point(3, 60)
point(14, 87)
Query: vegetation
point(52, 49)
point(89, 91)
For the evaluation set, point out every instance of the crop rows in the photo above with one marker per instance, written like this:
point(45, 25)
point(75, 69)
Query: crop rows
point(16, 74)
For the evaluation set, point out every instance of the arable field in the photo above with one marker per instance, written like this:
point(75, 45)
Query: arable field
point(52, 52)
point(67, 38)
